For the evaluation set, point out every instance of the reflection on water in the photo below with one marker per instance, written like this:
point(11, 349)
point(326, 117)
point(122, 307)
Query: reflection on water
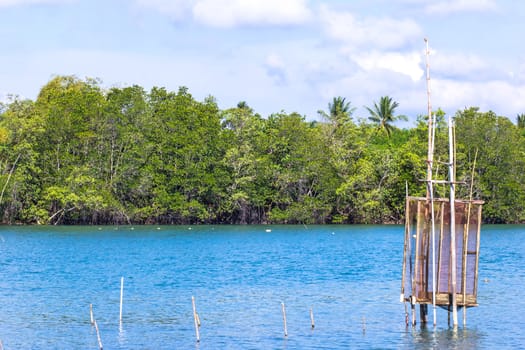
point(121, 335)
point(459, 338)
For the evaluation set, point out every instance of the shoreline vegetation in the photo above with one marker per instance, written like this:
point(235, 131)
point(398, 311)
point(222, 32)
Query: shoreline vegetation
point(80, 154)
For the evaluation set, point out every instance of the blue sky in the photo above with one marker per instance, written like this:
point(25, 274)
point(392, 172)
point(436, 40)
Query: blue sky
point(277, 55)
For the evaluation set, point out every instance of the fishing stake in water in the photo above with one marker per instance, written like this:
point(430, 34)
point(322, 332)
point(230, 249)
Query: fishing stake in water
point(196, 319)
point(284, 319)
point(94, 323)
point(121, 296)
point(98, 336)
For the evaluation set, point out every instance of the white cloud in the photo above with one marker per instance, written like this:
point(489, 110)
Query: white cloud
point(382, 33)
point(499, 96)
point(232, 13)
point(452, 6)
point(11, 3)
point(462, 66)
point(405, 63)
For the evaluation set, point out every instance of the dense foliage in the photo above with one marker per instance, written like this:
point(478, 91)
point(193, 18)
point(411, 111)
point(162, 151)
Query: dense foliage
point(81, 154)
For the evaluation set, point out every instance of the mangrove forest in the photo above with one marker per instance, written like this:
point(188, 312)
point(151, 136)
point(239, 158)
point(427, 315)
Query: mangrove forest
point(83, 154)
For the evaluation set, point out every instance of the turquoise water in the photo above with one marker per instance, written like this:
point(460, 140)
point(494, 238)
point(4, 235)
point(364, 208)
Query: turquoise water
point(239, 276)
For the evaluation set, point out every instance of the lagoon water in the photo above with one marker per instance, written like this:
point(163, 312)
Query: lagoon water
point(239, 276)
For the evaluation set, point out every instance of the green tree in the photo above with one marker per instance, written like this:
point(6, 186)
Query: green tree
point(184, 162)
point(499, 177)
point(303, 180)
point(247, 164)
point(339, 112)
point(520, 120)
point(20, 174)
point(383, 114)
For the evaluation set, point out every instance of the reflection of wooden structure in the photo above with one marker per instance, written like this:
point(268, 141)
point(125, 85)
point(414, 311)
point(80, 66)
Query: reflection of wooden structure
point(417, 257)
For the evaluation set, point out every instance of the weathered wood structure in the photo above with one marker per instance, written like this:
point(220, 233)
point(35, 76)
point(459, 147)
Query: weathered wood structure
point(418, 271)
point(441, 251)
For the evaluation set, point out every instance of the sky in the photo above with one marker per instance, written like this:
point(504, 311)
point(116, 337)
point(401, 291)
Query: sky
point(276, 55)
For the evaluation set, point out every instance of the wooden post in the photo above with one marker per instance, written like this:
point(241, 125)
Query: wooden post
point(477, 253)
point(441, 237)
point(430, 150)
point(405, 247)
point(430, 190)
point(121, 296)
point(312, 318)
point(452, 179)
point(413, 310)
point(433, 245)
point(416, 263)
point(284, 320)
point(195, 319)
point(466, 229)
point(98, 336)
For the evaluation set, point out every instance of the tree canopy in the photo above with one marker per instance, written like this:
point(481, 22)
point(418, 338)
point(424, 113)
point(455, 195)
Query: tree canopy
point(81, 154)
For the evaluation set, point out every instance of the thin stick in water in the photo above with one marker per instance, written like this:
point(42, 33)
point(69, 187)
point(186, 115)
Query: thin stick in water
point(284, 320)
point(195, 319)
point(312, 317)
point(91, 314)
point(98, 336)
point(121, 296)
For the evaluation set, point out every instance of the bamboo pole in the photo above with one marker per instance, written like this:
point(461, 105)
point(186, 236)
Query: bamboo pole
point(121, 297)
point(416, 263)
point(430, 189)
point(430, 151)
point(405, 247)
point(195, 319)
point(441, 236)
point(433, 237)
point(465, 247)
point(477, 253)
point(466, 229)
point(94, 323)
point(98, 336)
point(284, 319)
point(452, 178)
point(410, 268)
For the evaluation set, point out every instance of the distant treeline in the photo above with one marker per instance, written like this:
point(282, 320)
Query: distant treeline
point(81, 154)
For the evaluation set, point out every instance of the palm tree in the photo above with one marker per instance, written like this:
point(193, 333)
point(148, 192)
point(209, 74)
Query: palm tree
point(339, 112)
point(383, 114)
point(520, 119)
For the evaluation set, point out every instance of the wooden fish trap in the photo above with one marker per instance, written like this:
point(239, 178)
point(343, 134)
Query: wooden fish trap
point(420, 254)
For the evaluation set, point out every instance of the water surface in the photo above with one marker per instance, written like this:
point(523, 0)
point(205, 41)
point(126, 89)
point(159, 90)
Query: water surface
point(239, 276)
